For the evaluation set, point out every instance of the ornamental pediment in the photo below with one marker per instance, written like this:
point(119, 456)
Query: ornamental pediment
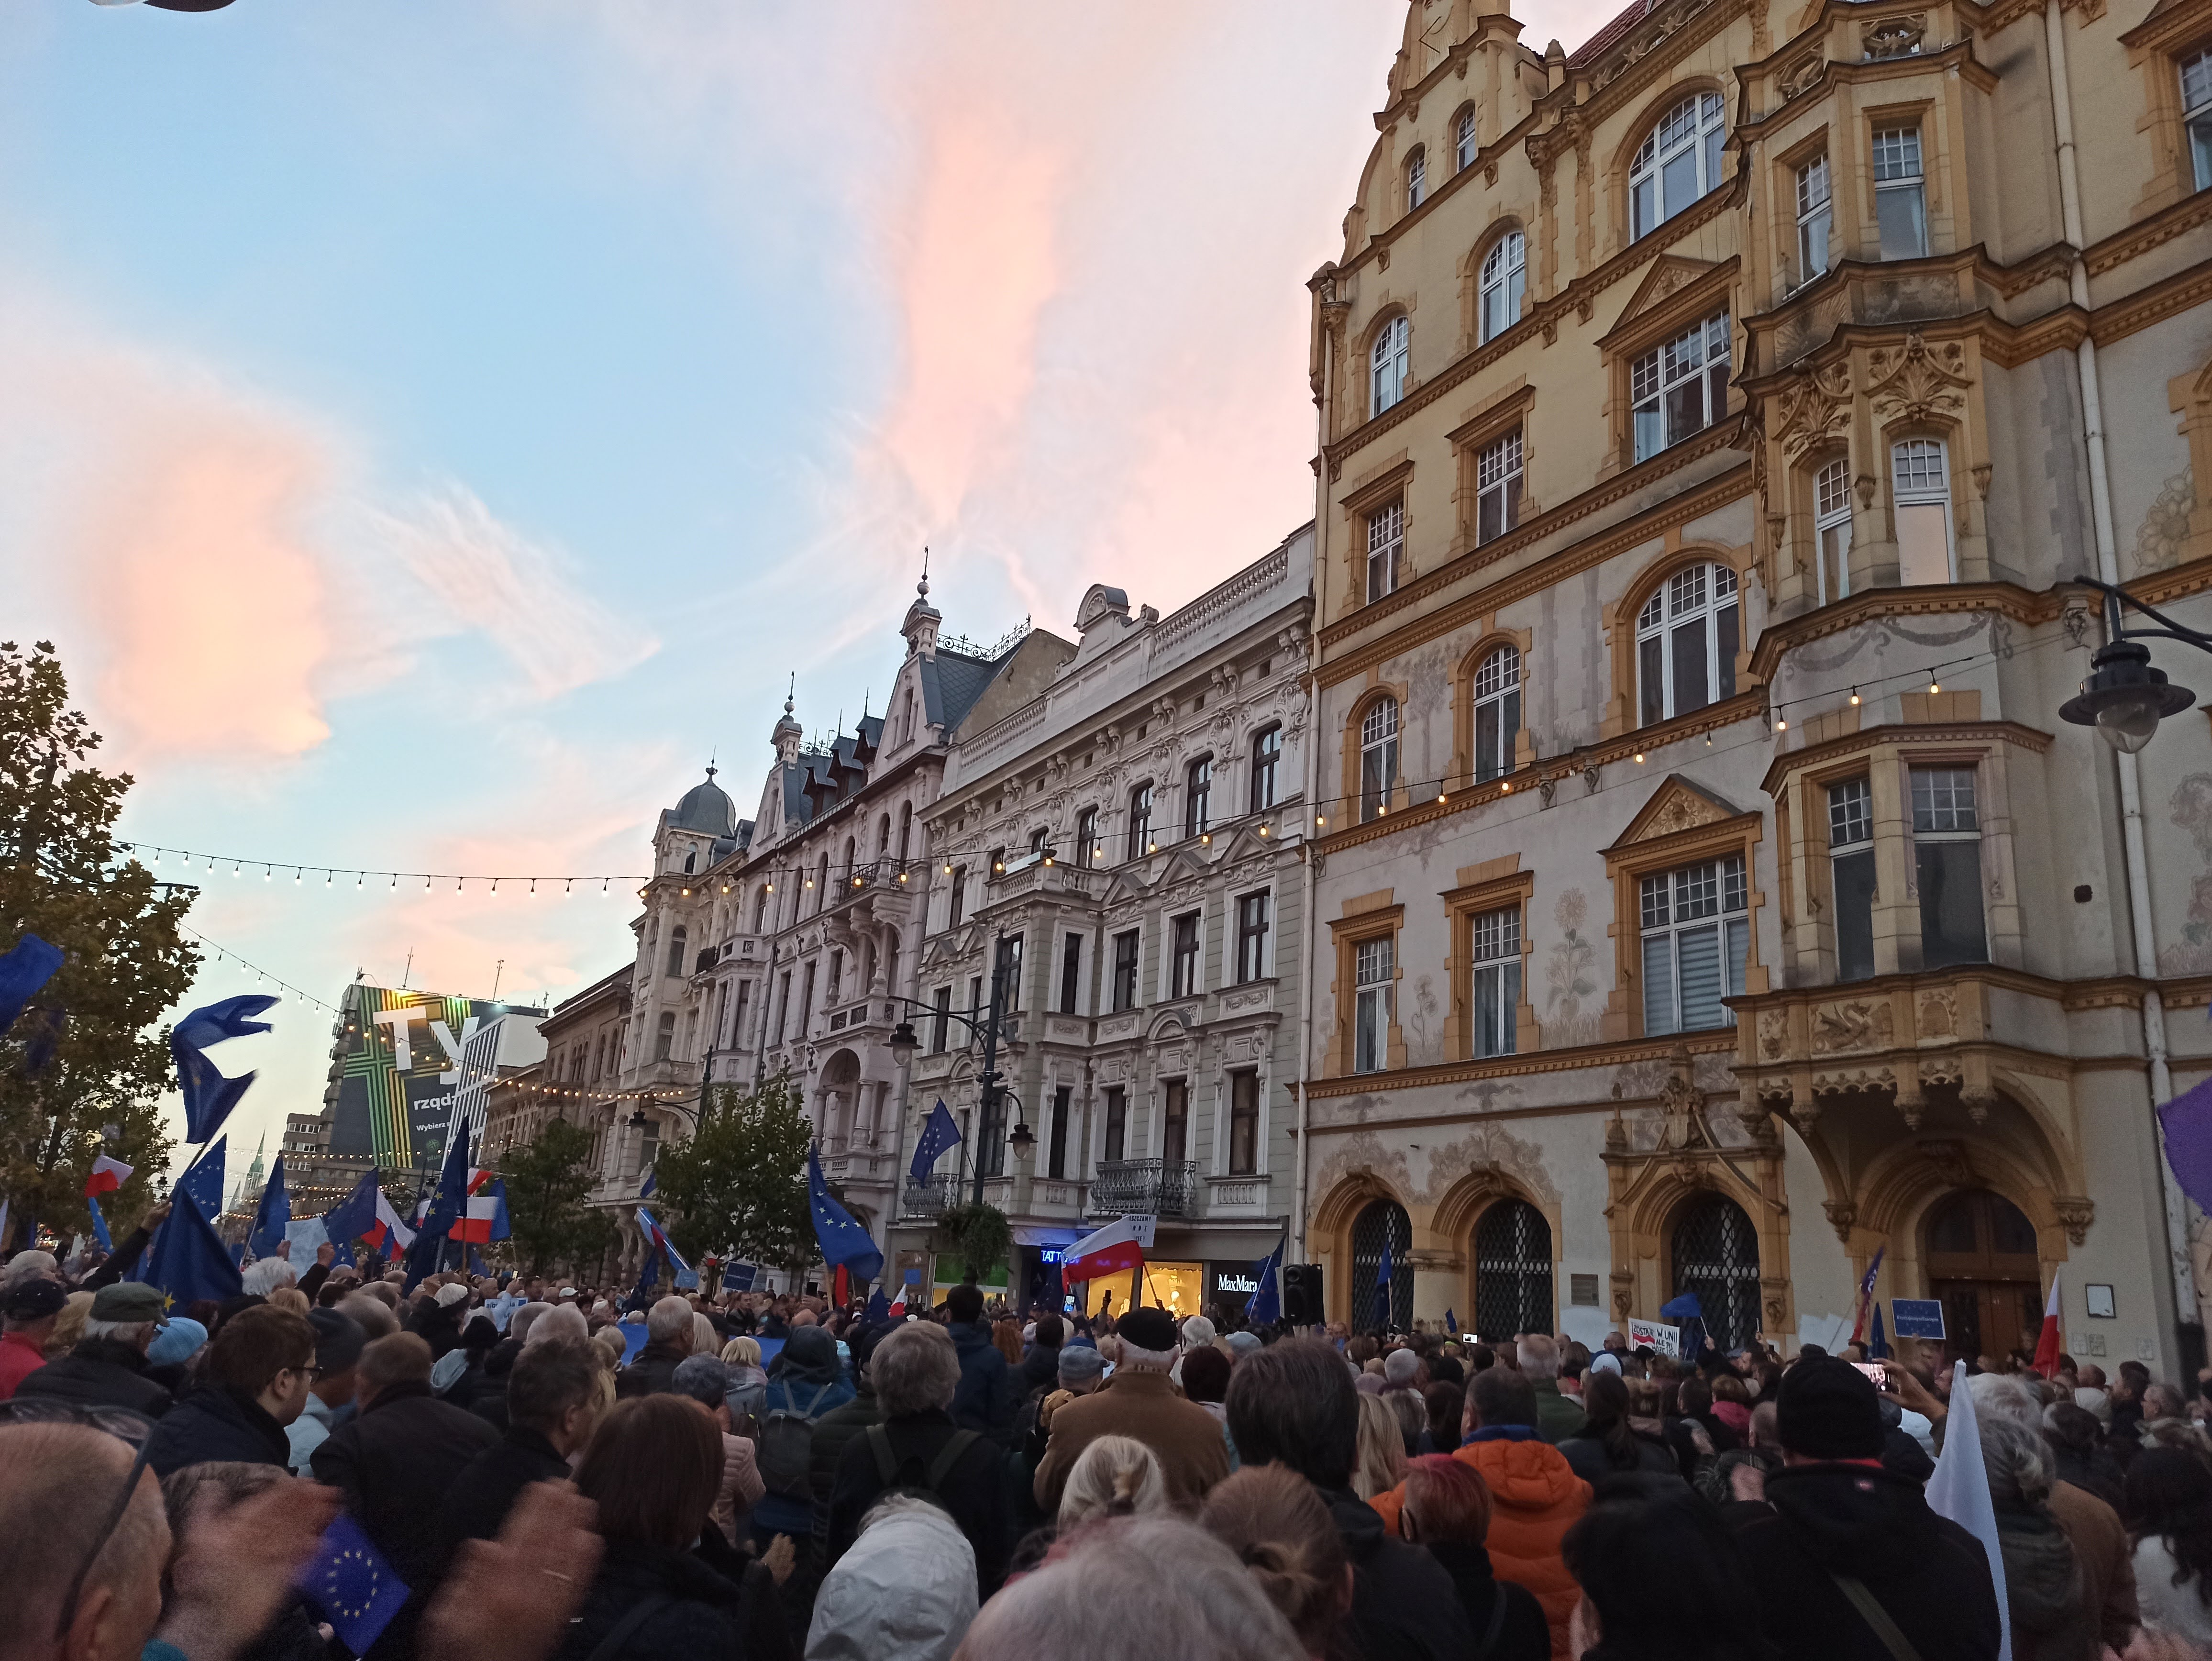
point(1670, 274)
point(1677, 804)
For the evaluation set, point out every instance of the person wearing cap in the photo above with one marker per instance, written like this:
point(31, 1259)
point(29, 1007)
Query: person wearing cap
point(1839, 1534)
point(1142, 1402)
point(107, 1368)
point(339, 1341)
point(29, 1311)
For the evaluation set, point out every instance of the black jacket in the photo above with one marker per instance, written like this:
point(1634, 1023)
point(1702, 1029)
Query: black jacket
point(395, 1461)
point(1521, 1635)
point(1404, 1606)
point(101, 1372)
point(832, 1432)
point(706, 1617)
point(213, 1423)
point(651, 1372)
point(440, 1326)
point(1823, 1520)
point(974, 1491)
point(1040, 1370)
point(985, 1399)
point(490, 1402)
point(488, 1485)
point(126, 1254)
point(1594, 1461)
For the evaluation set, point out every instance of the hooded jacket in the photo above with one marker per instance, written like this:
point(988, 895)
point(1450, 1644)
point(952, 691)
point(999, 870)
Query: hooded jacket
point(1404, 1605)
point(985, 1400)
point(1535, 1498)
point(1850, 1519)
point(905, 1591)
point(100, 1372)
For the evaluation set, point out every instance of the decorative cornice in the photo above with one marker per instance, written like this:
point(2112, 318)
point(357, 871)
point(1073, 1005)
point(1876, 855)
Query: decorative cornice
point(1570, 1060)
point(1868, 738)
point(1693, 504)
point(2007, 599)
point(2153, 305)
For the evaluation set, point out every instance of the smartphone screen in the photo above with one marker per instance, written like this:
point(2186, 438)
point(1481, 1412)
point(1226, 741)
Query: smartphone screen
point(1876, 1371)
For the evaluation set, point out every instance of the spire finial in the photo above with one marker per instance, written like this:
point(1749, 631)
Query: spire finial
point(922, 586)
point(711, 755)
point(791, 696)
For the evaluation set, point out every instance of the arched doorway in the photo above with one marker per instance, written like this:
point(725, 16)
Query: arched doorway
point(1981, 1262)
point(1382, 1223)
point(1513, 1291)
point(1716, 1254)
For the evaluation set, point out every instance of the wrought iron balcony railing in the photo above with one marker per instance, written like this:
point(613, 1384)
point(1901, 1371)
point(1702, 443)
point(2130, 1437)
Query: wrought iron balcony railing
point(1164, 1188)
point(932, 1198)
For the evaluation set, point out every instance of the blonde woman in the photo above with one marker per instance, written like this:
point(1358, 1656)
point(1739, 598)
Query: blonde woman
point(1381, 1463)
point(69, 1326)
point(1114, 1477)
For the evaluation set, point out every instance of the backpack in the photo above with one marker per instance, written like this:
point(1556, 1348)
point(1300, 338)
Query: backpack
point(887, 1467)
point(786, 1443)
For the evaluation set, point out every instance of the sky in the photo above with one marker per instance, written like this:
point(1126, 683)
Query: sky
point(431, 432)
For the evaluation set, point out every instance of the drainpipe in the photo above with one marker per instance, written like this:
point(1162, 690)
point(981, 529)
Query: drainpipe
point(2108, 569)
point(1306, 960)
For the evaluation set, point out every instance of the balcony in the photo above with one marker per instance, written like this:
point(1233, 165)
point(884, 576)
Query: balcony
point(1160, 1188)
point(932, 1198)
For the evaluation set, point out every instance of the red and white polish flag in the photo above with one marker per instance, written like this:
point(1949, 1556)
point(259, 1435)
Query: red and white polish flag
point(2046, 1342)
point(388, 1226)
point(107, 1175)
point(1113, 1249)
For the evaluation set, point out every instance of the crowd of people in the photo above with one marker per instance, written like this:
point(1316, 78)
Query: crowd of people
point(536, 1471)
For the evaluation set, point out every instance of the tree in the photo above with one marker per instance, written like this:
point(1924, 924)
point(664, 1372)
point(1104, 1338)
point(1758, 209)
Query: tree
point(547, 1216)
point(125, 961)
point(739, 1184)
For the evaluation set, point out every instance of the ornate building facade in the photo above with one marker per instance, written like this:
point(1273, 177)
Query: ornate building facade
point(1708, 895)
point(1118, 849)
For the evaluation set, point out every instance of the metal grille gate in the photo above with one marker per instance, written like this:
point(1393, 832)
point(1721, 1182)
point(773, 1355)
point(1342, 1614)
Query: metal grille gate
point(1716, 1256)
point(1513, 1291)
point(1384, 1219)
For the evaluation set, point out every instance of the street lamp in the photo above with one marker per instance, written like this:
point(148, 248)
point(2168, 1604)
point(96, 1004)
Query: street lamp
point(902, 1044)
point(2124, 699)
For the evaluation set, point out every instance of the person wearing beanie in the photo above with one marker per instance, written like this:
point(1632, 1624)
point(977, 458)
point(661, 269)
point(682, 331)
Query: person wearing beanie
point(1842, 1544)
point(176, 1344)
point(1142, 1402)
point(30, 1309)
point(339, 1341)
point(108, 1368)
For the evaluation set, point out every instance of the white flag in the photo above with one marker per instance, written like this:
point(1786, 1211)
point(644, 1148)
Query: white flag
point(1960, 1490)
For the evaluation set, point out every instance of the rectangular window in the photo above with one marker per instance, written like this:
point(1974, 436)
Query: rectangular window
point(1697, 931)
point(1089, 850)
point(940, 1023)
point(1947, 851)
point(1920, 488)
point(974, 1004)
point(959, 907)
point(1814, 214)
point(1374, 968)
point(1494, 988)
point(1055, 1157)
point(782, 1003)
point(1832, 525)
point(1008, 970)
point(1071, 975)
point(1174, 1121)
point(1497, 487)
point(1681, 388)
point(837, 978)
point(1125, 971)
point(1117, 1124)
point(1140, 821)
point(1267, 756)
point(737, 1027)
point(1900, 194)
point(1251, 937)
point(1182, 970)
point(1850, 871)
point(1386, 543)
point(1198, 798)
point(2196, 114)
point(806, 1002)
point(1244, 1124)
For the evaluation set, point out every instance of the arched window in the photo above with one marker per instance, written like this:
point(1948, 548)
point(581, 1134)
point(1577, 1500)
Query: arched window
point(760, 908)
point(1685, 643)
point(1513, 1272)
point(882, 835)
point(664, 1042)
point(1266, 758)
point(822, 877)
point(676, 950)
point(1392, 359)
point(1832, 528)
point(1382, 1237)
point(691, 860)
point(1090, 851)
point(1504, 280)
point(1197, 797)
point(1920, 487)
point(1680, 161)
point(1497, 712)
point(1140, 821)
point(1463, 141)
point(1416, 179)
point(1716, 1256)
point(1378, 759)
point(906, 830)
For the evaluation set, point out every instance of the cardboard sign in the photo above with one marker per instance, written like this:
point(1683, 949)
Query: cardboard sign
point(1664, 1339)
point(308, 1236)
point(1916, 1318)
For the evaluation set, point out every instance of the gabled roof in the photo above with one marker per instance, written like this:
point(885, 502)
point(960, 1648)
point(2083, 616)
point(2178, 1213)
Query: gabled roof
point(950, 685)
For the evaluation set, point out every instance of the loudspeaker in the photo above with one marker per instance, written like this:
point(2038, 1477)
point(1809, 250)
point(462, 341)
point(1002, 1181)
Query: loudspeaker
point(1303, 1306)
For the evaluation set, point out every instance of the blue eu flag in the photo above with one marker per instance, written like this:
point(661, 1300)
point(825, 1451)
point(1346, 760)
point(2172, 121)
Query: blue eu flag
point(188, 1261)
point(352, 1585)
point(98, 1224)
point(23, 971)
point(939, 1134)
point(1383, 1283)
point(843, 1241)
point(1266, 1307)
point(275, 1211)
point(204, 1180)
point(208, 1094)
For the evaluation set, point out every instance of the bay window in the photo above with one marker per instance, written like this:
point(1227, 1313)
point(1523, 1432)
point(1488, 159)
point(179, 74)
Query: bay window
point(1946, 852)
point(1900, 193)
point(1850, 875)
point(1920, 488)
point(1815, 217)
point(1831, 529)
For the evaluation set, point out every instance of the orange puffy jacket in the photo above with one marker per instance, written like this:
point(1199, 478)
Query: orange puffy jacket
point(1535, 1498)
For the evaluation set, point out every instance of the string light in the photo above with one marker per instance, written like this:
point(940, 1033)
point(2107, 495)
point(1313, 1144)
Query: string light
point(1855, 695)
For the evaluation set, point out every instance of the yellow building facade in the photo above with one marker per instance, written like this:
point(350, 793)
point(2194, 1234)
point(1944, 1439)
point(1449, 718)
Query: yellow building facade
point(1707, 895)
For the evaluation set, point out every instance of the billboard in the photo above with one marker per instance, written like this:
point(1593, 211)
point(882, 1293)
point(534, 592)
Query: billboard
point(394, 1068)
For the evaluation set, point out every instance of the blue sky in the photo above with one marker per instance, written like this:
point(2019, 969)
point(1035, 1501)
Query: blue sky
point(429, 430)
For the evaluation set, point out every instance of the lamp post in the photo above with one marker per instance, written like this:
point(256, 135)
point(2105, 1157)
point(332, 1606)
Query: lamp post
point(903, 1044)
point(2124, 699)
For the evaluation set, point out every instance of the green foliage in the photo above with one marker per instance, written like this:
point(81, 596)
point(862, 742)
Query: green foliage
point(739, 1184)
point(979, 1235)
point(126, 960)
point(546, 1183)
